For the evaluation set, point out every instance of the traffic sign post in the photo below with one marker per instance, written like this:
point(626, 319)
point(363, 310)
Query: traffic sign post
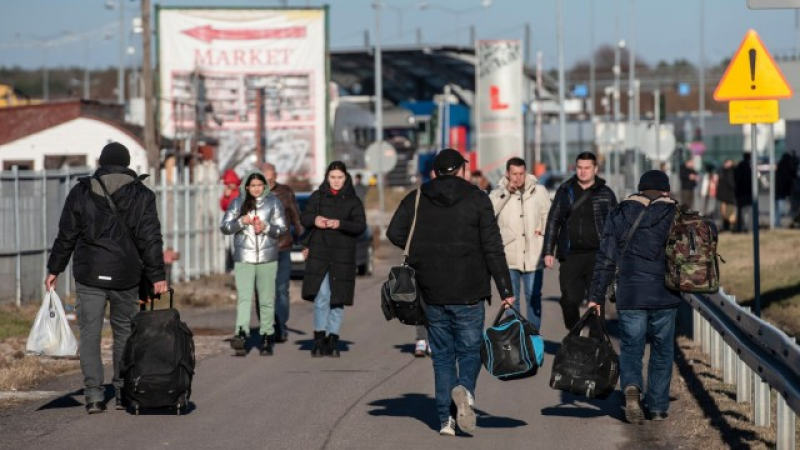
point(381, 158)
point(752, 84)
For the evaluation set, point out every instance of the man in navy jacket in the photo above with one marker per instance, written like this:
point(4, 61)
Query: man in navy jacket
point(646, 308)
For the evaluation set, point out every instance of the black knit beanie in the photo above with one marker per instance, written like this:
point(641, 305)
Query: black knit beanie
point(654, 180)
point(115, 154)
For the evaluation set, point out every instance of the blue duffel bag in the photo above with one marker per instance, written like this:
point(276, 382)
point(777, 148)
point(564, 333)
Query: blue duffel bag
point(512, 347)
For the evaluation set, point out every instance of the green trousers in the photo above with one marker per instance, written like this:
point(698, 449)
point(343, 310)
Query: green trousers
point(260, 277)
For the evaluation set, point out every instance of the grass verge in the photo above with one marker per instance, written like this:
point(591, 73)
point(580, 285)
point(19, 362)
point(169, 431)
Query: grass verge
point(780, 279)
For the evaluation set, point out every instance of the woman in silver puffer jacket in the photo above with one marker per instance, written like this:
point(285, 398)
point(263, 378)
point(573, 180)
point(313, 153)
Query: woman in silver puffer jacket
point(256, 220)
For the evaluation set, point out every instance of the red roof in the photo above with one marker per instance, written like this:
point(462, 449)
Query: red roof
point(17, 122)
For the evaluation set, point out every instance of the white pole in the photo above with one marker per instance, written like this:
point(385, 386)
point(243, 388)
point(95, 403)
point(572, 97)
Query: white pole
point(562, 117)
point(537, 149)
point(632, 92)
point(17, 244)
point(657, 115)
point(121, 68)
point(379, 109)
point(591, 61)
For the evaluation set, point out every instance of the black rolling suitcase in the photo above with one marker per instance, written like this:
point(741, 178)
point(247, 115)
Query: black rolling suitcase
point(158, 362)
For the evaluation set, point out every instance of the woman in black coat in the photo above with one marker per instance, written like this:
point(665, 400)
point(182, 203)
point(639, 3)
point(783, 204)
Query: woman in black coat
point(335, 216)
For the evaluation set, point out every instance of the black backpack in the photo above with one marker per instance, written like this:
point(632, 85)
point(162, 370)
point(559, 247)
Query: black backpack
point(158, 361)
point(586, 366)
point(512, 347)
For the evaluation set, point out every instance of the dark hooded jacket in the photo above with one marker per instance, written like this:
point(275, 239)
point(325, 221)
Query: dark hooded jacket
point(556, 236)
point(456, 245)
point(642, 268)
point(105, 256)
point(333, 251)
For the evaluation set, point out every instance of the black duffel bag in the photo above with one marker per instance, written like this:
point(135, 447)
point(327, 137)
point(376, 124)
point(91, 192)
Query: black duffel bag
point(401, 298)
point(586, 366)
point(512, 347)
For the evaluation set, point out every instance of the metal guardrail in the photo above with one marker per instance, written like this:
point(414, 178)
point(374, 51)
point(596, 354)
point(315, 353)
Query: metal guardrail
point(753, 355)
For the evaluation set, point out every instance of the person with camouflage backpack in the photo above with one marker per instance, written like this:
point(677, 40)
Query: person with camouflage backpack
point(645, 306)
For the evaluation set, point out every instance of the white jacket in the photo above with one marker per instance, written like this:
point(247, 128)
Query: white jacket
point(522, 217)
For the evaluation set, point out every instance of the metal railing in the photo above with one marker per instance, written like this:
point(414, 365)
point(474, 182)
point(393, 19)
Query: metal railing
point(31, 204)
point(753, 355)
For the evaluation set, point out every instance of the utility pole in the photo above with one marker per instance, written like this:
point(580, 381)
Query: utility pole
point(121, 68)
point(379, 108)
point(702, 70)
point(657, 115)
point(632, 95)
point(150, 145)
point(537, 144)
point(562, 116)
point(591, 61)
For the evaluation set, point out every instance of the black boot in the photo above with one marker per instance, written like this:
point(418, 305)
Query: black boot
point(319, 344)
point(267, 342)
point(237, 343)
point(332, 346)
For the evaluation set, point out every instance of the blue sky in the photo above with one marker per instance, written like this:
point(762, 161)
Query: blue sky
point(664, 29)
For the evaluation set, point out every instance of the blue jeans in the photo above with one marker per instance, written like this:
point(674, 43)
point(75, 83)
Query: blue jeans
point(327, 318)
point(781, 208)
point(455, 333)
point(532, 286)
point(282, 290)
point(636, 327)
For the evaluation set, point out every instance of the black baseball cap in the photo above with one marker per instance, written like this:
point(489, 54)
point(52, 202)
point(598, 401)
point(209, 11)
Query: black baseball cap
point(448, 160)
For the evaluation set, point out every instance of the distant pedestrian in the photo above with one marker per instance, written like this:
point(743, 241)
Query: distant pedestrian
point(521, 206)
point(688, 177)
point(335, 216)
point(361, 188)
point(573, 234)
point(455, 248)
point(646, 308)
point(744, 194)
point(726, 195)
point(286, 195)
point(785, 177)
point(479, 179)
point(105, 255)
point(256, 220)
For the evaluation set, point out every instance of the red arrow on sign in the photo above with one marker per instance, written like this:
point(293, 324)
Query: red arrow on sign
point(207, 33)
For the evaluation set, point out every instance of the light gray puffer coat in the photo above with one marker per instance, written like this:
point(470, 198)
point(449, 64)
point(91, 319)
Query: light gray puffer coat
point(250, 247)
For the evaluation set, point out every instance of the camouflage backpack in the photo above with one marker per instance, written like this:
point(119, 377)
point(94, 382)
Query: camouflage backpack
point(691, 252)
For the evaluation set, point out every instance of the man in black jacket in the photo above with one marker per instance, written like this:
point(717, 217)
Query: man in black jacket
point(455, 248)
point(646, 308)
point(743, 179)
point(106, 260)
point(574, 226)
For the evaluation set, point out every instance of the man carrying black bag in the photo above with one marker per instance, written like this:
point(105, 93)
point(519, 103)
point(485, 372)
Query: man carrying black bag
point(456, 246)
point(646, 308)
point(107, 263)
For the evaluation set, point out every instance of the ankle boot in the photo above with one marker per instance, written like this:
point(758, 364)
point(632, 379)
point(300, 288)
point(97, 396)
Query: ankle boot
point(267, 341)
point(332, 346)
point(319, 344)
point(238, 343)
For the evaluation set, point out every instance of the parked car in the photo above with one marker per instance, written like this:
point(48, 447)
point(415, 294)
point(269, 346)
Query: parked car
point(365, 247)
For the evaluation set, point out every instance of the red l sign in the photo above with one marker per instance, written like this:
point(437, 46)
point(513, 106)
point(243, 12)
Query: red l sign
point(494, 99)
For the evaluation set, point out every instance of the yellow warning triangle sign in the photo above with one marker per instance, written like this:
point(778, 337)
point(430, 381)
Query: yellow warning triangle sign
point(752, 74)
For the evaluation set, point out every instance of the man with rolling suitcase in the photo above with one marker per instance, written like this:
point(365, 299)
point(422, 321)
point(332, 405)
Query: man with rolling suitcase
point(109, 263)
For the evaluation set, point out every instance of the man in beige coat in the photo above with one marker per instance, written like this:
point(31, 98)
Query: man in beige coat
point(521, 206)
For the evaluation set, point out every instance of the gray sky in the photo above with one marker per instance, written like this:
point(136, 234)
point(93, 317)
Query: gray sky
point(663, 29)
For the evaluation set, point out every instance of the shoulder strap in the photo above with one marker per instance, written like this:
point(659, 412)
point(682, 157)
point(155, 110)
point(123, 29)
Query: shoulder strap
point(116, 214)
point(413, 224)
point(586, 195)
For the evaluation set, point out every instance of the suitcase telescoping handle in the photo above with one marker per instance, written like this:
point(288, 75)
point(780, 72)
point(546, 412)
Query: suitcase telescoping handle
point(153, 300)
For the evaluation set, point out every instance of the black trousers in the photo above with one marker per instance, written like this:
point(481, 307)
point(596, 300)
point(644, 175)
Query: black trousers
point(575, 277)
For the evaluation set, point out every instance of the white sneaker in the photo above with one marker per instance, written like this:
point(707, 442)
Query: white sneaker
point(448, 427)
point(419, 349)
point(464, 402)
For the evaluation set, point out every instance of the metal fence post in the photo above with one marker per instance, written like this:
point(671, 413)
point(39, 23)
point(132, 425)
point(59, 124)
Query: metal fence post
point(761, 404)
point(209, 225)
point(707, 338)
point(17, 244)
point(175, 238)
point(187, 224)
point(729, 367)
point(697, 327)
point(744, 382)
point(68, 280)
point(44, 225)
point(785, 438)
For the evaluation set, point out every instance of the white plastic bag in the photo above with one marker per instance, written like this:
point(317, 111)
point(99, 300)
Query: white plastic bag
point(51, 334)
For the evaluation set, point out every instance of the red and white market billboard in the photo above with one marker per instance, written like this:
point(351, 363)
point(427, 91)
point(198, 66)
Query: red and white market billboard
point(211, 63)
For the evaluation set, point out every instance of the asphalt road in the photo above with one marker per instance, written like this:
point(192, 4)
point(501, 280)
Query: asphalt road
point(376, 396)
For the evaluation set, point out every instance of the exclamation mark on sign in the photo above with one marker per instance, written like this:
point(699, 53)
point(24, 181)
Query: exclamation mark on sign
point(752, 53)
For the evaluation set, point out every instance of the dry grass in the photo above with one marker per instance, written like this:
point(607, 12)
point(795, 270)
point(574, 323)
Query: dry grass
point(16, 321)
point(19, 372)
point(780, 278)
